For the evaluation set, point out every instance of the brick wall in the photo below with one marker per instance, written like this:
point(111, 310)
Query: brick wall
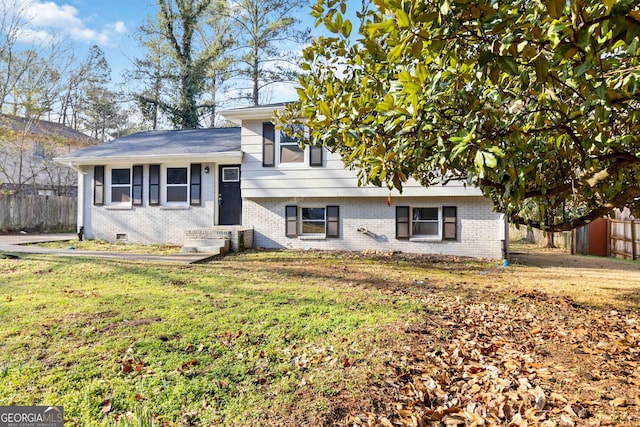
point(480, 230)
point(147, 224)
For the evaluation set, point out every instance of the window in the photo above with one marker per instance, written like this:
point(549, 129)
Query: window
point(290, 151)
point(177, 185)
point(426, 222)
point(230, 174)
point(312, 221)
point(431, 223)
point(282, 149)
point(41, 151)
point(120, 185)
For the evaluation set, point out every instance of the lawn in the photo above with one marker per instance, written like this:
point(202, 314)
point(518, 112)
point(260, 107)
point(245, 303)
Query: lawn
point(313, 338)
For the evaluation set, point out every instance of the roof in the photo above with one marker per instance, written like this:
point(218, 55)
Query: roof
point(203, 144)
point(44, 128)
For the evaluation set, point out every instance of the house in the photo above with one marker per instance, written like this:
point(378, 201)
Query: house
point(27, 148)
point(169, 186)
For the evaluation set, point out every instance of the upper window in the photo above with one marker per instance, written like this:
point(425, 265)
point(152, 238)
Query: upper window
point(279, 148)
point(121, 185)
point(289, 150)
point(177, 185)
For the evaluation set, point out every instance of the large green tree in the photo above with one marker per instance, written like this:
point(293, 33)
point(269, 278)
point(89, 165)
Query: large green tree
point(182, 47)
point(535, 102)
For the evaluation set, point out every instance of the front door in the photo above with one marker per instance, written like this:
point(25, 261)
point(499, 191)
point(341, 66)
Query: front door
point(229, 200)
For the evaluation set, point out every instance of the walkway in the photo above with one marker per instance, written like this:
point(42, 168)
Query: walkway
point(16, 244)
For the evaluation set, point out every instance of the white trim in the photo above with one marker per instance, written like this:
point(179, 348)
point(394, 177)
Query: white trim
point(225, 168)
point(164, 186)
point(311, 236)
point(304, 164)
point(228, 156)
point(237, 115)
point(426, 237)
point(108, 186)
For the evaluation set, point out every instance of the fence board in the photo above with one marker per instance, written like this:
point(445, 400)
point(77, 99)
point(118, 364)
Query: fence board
point(38, 213)
point(625, 242)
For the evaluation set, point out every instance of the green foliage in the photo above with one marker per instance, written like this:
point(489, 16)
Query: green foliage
point(534, 102)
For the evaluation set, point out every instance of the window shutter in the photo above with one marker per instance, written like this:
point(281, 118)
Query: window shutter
point(268, 144)
point(315, 155)
point(196, 178)
point(402, 222)
point(154, 185)
point(291, 219)
point(137, 186)
point(333, 221)
point(98, 185)
point(450, 221)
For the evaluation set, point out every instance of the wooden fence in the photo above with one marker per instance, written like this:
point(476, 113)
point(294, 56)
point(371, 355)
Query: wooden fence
point(38, 213)
point(624, 238)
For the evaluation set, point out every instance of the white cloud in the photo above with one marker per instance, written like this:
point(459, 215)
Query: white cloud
point(48, 18)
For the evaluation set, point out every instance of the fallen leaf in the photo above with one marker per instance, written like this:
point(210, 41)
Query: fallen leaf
point(105, 406)
point(618, 402)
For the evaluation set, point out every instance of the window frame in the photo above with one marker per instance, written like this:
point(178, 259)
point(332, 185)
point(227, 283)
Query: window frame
point(164, 184)
point(447, 224)
point(302, 221)
point(110, 185)
point(278, 154)
point(293, 220)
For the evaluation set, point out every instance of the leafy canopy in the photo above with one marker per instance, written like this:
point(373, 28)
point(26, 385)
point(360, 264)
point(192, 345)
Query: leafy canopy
point(535, 102)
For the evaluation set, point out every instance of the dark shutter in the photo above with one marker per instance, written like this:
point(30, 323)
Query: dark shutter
point(154, 185)
point(137, 186)
point(333, 221)
point(315, 155)
point(291, 219)
point(196, 178)
point(450, 220)
point(98, 185)
point(268, 144)
point(402, 222)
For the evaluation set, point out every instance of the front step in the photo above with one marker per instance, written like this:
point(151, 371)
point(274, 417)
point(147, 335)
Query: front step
point(214, 246)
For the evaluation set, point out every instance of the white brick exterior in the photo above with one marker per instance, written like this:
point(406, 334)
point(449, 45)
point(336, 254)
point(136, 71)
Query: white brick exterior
point(480, 230)
point(147, 224)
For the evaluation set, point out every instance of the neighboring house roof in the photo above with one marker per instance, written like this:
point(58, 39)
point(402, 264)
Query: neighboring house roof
point(42, 128)
point(161, 145)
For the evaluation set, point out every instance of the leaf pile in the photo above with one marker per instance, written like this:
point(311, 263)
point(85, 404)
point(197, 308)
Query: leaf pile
point(537, 360)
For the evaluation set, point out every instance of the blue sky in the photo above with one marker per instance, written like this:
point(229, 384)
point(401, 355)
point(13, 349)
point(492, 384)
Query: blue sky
point(110, 24)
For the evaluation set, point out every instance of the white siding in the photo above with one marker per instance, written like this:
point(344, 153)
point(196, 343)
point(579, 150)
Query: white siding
point(480, 230)
point(329, 180)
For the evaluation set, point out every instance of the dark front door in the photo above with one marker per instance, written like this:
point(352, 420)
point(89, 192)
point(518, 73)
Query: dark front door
point(229, 200)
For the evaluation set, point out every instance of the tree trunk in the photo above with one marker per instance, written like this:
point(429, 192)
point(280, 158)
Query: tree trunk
point(549, 240)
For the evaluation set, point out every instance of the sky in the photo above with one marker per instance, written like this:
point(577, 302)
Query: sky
point(110, 24)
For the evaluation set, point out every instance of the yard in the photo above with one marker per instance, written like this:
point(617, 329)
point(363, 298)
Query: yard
point(313, 338)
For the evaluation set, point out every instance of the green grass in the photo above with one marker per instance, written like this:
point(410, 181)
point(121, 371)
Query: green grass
point(248, 340)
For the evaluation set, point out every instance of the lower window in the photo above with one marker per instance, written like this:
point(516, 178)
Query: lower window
point(312, 221)
point(426, 222)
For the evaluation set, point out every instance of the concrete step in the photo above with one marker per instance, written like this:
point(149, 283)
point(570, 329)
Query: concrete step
point(206, 246)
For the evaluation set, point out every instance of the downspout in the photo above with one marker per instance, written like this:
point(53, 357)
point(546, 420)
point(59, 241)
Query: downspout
point(80, 213)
